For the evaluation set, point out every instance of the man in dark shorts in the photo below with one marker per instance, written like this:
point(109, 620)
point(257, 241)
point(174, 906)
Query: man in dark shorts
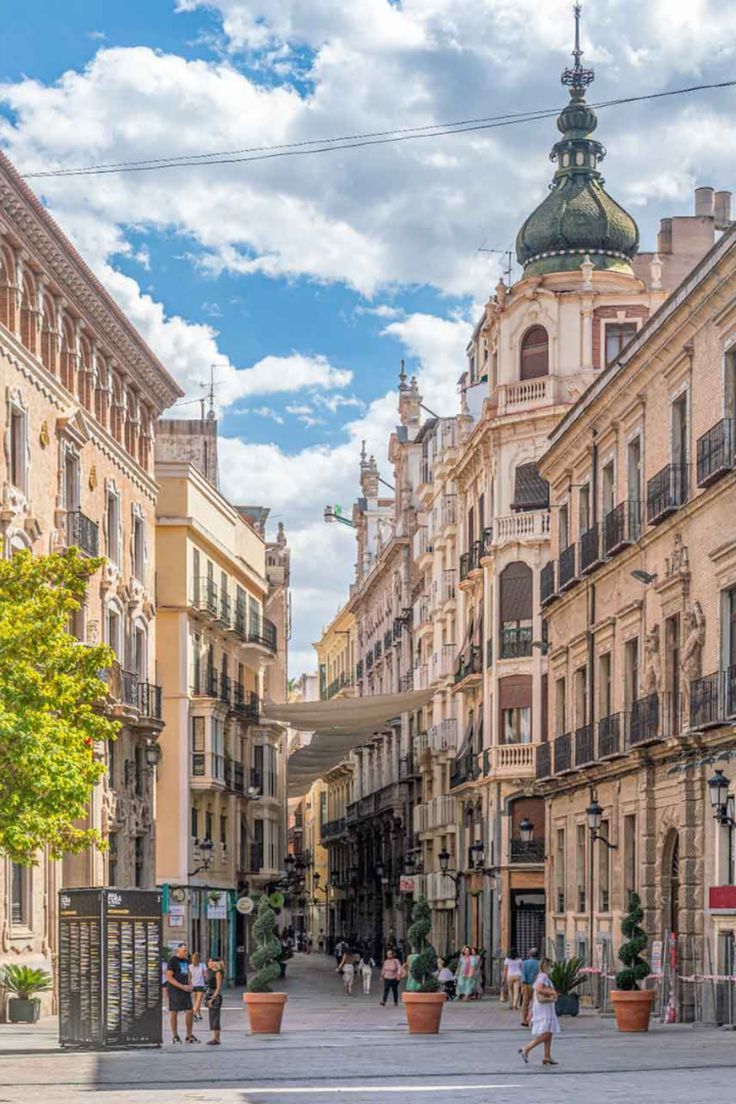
point(180, 993)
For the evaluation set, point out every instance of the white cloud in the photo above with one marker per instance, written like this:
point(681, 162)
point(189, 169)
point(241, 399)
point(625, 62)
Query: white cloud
point(261, 412)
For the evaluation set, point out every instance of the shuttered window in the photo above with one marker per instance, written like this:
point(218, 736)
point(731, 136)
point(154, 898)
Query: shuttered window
point(531, 492)
point(534, 354)
point(516, 593)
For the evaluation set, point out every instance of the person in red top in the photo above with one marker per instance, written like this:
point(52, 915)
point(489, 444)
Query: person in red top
point(391, 973)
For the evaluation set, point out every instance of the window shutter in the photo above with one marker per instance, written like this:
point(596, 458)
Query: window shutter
point(516, 593)
point(531, 492)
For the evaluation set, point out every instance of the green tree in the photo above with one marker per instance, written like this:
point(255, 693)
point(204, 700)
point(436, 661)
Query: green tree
point(636, 968)
point(50, 706)
point(423, 962)
point(265, 957)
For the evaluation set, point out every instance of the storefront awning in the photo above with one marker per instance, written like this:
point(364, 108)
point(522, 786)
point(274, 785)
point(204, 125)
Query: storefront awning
point(338, 726)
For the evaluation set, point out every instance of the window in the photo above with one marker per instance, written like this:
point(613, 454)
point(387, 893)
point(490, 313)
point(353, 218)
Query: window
point(517, 726)
point(140, 653)
point(196, 663)
point(679, 430)
point(618, 334)
point(672, 665)
point(198, 733)
point(630, 879)
point(114, 630)
point(729, 638)
point(560, 706)
point(71, 481)
point(730, 385)
point(633, 473)
point(17, 442)
point(608, 488)
point(218, 748)
point(139, 547)
point(604, 871)
point(112, 525)
point(111, 763)
point(19, 886)
point(580, 879)
point(223, 831)
point(604, 685)
point(534, 354)
point(322, 808)
point(631, 672)
point(112, 859)
point(560, 870)
point(584, 508)
point(196, 568)
point(580, 683)
point(516, 602)
point(564, 523)
point(194, 822)
point(208, 825)
point(139, 861)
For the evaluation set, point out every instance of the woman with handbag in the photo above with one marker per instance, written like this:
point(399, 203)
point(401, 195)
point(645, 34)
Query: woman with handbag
point(544, 1017)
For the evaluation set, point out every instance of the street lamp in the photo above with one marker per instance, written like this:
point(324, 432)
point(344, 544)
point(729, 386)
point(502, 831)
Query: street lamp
point(479, 855)
point(594, 813)
point(720, 800)
point(205, 848)
point(526, 831)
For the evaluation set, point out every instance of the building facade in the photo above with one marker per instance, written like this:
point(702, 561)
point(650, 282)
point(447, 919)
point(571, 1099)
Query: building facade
point(640, 612)
point(222, 776)
point(81, 395)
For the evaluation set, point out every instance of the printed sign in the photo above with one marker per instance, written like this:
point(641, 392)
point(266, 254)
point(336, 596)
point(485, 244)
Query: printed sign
point(217, 906)
point(176, 916)
point(406, 884)
point(245, 905)
point(656, 959)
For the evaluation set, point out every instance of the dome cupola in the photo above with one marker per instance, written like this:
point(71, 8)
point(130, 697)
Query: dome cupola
point(578, 217)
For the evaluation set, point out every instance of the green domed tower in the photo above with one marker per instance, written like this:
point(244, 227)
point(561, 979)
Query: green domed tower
point(578, 217)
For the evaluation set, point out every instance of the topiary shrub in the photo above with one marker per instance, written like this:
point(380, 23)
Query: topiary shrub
point(423, 963)
point(267, 954)
point(636, 968)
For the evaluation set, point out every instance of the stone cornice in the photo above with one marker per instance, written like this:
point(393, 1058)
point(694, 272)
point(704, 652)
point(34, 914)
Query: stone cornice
point(37, 232)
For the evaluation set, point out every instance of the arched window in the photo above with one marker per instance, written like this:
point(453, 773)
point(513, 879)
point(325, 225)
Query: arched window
point(48, 337)
point(84, 375)
point(534, 354)
point(28, 331)
point(7, 289)
point(68, 355)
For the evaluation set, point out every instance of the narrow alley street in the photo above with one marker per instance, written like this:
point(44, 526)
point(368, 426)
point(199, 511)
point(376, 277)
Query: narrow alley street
point(333, 1045)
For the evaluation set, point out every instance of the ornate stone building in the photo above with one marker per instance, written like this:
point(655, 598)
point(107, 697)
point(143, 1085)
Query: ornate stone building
point(81, 395)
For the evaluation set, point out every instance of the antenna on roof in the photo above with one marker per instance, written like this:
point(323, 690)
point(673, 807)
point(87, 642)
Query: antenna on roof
point(507, 253)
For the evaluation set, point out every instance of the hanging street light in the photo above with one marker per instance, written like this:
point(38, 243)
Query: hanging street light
point(526, 831)
point(718, 787)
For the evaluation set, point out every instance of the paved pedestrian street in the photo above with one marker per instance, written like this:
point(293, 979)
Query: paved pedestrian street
point(335, 1047)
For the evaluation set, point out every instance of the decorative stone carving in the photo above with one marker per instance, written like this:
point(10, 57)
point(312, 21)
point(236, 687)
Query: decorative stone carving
point(652, 662)
point(678, 564)
point(692, 651)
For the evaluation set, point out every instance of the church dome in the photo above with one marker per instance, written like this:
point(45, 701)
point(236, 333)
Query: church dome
point(578, 217)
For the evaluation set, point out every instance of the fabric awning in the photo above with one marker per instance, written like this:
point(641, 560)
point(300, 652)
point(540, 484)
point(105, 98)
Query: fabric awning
point(338, 726)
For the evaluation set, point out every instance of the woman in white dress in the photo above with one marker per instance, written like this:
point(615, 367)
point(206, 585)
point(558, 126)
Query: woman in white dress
point(544, 1017)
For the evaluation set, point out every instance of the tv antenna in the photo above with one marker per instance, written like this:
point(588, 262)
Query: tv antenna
point(508, 254)
point(209, 397)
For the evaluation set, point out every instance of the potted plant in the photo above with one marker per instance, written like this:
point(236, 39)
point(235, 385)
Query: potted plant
point(566, 978)
point(24, 981)
point(265, 1008)
point(632, 1005)
point(423, 998)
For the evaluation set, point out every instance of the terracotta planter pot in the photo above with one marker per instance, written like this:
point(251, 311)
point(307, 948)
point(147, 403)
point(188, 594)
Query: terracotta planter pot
point(633, 1008)
point(265, 1012)
point(423, 1012)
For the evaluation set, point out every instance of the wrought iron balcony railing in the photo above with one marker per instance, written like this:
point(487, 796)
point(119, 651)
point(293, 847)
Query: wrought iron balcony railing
point(584, 745)
point(547, 583)
point(563, 749)
point(610, 735)
point(544, 760)
point(621, 526)
point(713, 699)
point(83, 532)
point(716, 452)
point(666, 492)
point(566, 572)
point(531, 852)
point(149, 700)
point(516, 642)
point(590, 549)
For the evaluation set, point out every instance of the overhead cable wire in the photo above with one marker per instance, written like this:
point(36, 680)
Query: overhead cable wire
point(355, 141)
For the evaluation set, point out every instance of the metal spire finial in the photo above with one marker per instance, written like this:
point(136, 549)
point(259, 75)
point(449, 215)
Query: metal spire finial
point(577, 78)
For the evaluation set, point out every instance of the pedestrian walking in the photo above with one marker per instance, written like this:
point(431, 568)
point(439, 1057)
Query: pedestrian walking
point(544, 1017)
point(390, 974)
point(512, 976)
point(180, 994)
point(529, 972)
point(465, 974)
point(321, 940)
point(365, 969)
point(477, 974)
point(213, 998)
point(347, 969)
point(197, 981)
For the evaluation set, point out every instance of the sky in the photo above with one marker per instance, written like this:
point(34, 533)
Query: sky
point(305, 280)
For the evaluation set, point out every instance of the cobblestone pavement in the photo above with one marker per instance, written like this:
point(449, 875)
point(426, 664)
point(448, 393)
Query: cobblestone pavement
point(338, 1048)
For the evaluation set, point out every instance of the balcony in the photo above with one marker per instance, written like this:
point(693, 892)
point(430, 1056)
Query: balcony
point(409, 764)
point(83, 532)
point(246, 704)
point(666, 492)
point(584, 745)
point(343, 682)
point(713, 699)
point(566, 571)
point(544, 760)
point(715, 452)
point(234, 775)
point(332, 829)
point(547, 592)
point(422, 543)
point(422, 612)
point(443, 736)
point(523, 526)
point(149, 700)
point(258, 630)
point(531, 852)
point(470, 560)
point(205, 596)
point(210, 683)
point(513, 760)
point(129, 688)
point(621, 526)
point(439, 887)
point(444, 661)
point(527, 394)
point(465, 769)
point(610, 736)
point(406, 682)
point(449, 586)
point(448, 510)
point(516, 642)
point(468, 664)
point(439, 813)
point(590, 550)
point(563, 750)
point(225, 687)
point(421, 677)
point(645, 723)
point(225, 614)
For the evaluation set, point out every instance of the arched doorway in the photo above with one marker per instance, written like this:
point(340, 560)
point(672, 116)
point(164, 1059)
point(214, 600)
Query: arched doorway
point(671, 883)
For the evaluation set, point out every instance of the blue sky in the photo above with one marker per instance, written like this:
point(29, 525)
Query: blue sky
point(306, 280)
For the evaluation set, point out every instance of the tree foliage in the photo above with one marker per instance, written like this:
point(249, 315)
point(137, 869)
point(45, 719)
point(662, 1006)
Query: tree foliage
point(423, 963)
point(50, 716)
point(636, 968)
point(265, 957)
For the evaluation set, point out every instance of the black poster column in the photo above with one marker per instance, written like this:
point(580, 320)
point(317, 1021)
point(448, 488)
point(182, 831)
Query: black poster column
point(110, 948)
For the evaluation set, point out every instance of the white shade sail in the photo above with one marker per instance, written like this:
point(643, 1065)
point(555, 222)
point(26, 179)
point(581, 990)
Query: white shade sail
point(338, 726)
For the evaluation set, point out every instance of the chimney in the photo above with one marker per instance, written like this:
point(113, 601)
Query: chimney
point(704, 202)
point(722, 209)
point(664, 237)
